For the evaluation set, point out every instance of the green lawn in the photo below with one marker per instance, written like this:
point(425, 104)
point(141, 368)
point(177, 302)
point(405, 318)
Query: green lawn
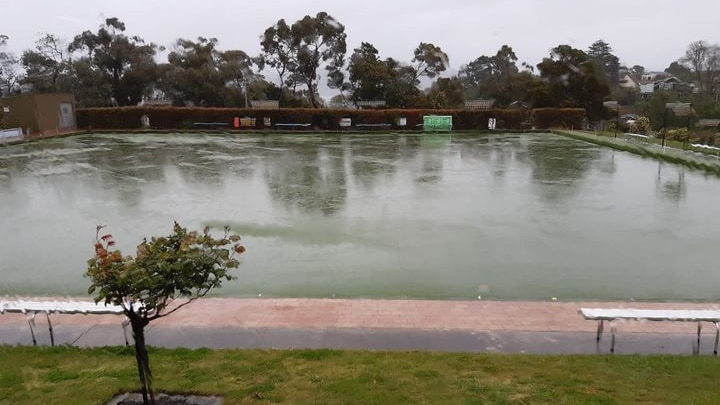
point(69, 375)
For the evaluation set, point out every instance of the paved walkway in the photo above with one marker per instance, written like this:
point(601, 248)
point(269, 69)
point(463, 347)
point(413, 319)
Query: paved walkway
point(506, 326)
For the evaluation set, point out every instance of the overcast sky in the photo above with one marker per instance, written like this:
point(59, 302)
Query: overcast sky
point(652, 33)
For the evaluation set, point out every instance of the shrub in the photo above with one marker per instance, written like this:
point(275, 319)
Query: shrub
point(641, 126)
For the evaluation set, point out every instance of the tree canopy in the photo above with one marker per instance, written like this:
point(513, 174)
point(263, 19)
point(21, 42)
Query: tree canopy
point(606, 64)
point(572, 82)
point(304, 58)
point(299, 51)
point(126, 64)
point(492, 77)
point(429, 60)
point(9, 75)
point(703, 59)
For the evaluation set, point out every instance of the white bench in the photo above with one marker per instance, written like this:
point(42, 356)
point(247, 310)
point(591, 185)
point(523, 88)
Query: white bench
point(32, 308)
point(676, 315)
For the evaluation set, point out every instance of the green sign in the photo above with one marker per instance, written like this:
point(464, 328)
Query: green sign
point(437, 123)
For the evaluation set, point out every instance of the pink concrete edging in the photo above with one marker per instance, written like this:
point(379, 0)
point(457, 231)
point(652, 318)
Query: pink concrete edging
point(540, 316)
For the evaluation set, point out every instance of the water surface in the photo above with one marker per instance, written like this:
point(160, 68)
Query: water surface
point(434, 216)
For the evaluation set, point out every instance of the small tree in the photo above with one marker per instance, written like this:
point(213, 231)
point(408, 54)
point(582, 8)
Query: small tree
point(183, 265)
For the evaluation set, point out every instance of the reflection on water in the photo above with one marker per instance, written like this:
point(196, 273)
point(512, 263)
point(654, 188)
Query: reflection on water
point(671, 183)
point(438, 216)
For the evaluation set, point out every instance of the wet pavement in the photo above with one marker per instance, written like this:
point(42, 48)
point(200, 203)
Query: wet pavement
point(458, 326)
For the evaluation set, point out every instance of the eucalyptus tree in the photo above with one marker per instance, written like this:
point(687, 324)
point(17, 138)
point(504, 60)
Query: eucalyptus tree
point(192, 75)
point(402, 87)
point(319, 40)
point(446, 93)
point(48, 67)
point(368, 75)
point(124, 63)
point(278, 52)
point(9, 70)
point(371, 78)
point(429, 60)
point(572, 82)
point(492, 76)
point(300, 50)
point(236, 69)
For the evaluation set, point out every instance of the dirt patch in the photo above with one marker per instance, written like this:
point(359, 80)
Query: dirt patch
point(163, 399)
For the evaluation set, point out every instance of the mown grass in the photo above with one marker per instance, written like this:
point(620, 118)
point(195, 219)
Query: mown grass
point(67, 375)
point(643, 151)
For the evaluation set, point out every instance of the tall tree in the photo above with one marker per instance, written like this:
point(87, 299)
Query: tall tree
point(371, 78)
point(278, 52)
point(681, 71)
point(318, 40)
point(297, 52)
point(572, 82)
point(48, 66)
point(368, 74)
point(9, 70)
point(236, 69)
point(703, 59)
point(606, 64)
point(125, 63)
point(492, 76)
point(401, 89)
point(446, 93)
point(193, 75)
point(637, 70)
point(429, 60)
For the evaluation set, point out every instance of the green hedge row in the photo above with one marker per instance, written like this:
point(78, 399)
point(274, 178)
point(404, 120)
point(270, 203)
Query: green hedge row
point(188, 117)
point(567, 118)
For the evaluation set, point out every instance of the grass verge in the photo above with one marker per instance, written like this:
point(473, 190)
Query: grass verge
point(68, 375)
point(671, 156)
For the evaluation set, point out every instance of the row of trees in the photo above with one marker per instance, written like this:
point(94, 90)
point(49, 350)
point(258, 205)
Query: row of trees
point(110, 67)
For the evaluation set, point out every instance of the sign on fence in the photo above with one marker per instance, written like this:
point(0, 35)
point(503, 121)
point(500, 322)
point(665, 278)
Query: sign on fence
point(437, 122)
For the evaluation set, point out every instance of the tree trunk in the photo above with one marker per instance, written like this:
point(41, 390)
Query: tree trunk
point(311, 91)
point(143, 361)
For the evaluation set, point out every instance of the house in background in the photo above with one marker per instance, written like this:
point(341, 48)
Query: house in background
point(39, 113)
point(653, 81)
point(627, 81)
point(482, 105)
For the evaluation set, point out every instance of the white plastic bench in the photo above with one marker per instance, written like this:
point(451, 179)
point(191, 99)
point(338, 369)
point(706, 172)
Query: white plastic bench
point(32, 308)
point(675, 315)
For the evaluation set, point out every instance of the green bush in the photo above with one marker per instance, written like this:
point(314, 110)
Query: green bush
point(168, 118)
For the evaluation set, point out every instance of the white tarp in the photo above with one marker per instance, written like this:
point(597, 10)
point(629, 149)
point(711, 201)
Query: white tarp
point(10, 133)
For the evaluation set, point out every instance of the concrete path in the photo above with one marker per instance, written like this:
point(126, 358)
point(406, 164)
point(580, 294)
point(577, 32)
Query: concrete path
point(468, 326)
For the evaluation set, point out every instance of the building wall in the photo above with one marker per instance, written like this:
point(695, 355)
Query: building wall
point(37, 112)
point(48, 111)
point(21, 114)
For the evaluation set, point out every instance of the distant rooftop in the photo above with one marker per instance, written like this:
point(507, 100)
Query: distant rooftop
point(479, 104)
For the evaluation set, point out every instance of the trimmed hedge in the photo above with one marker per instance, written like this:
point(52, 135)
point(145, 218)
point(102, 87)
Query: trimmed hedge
point(327, 119)
point(567, 118)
